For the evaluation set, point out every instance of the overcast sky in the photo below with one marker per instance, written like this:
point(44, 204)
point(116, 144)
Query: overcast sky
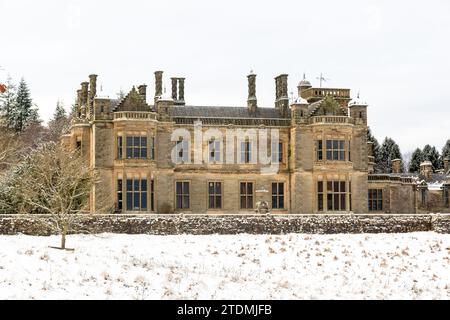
point(396, 53)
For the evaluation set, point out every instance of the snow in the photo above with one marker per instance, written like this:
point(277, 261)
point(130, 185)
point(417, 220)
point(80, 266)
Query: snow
point(394, 266)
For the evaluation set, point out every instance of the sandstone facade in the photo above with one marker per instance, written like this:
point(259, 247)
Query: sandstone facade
point(166, 157)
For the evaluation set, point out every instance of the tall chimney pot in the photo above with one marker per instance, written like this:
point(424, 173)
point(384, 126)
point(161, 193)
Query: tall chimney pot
point(252, 101)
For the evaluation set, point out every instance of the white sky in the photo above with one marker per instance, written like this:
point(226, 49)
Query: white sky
point(396, 53)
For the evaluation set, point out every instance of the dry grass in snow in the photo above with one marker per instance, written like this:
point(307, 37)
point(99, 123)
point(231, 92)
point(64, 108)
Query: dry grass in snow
point(394, 266)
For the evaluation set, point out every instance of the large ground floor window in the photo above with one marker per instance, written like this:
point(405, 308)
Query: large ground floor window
point(136, 191)
point(332, 196)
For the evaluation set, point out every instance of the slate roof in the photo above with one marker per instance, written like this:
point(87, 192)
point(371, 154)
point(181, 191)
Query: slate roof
point(225, 112)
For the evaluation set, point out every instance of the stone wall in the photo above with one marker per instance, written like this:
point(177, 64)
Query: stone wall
point(228, 224)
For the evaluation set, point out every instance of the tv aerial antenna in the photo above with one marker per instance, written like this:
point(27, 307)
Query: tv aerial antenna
point(322, 79)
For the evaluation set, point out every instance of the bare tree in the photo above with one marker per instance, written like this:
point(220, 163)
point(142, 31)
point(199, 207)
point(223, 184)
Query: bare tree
point(56, 182)
point(10, 145)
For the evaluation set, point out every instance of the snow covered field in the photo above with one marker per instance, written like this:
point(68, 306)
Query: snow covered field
point(396, 266)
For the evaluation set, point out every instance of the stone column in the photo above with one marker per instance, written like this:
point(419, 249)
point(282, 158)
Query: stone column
point(446, 164)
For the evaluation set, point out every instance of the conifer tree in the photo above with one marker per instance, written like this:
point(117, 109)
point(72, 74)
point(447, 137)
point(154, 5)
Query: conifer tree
point(416, 160)
point(389, 151)
point(446, 150)
point(23, 113)
point(431, 154)
point(376, 150)
point(7, 103)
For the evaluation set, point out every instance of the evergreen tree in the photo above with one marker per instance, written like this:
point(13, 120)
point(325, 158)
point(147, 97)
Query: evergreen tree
point(59, 123)
point(389, 151)
point(446, 150)
point(416, 160)
point(376, 150)
point(23, 113)
point(431, 154)
point(7, 103)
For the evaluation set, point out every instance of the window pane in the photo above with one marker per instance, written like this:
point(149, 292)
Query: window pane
point(330, 202)
point(129, 185)
point(329, 186)
point(336, 186)
point(129, 201)
point(136, 141)
point(144, 142)
point(341, 155)
point(274, 202)
point(250, 188)
point(144, 153)
point(129, 152)
point(343, 204)
point(320, 186)
point(329, 155)
point(274, 188)
point(211, 188)
point(335, 155)
point(179, 188)
point(179, 202)
point(342, 186)
point(185, 202)
point(243, 187)
point(341, 144)
point(119, 185)
point(143, 185)
point(218, 202)
point(136, 201)
point(320, 202)
point(281, 188)
point(336, 203)
point(329, 144)
point(211, 202)
point(335, 144)
point(250, 202)
point(136, 185)
point(186, 187)
point(129, 141)
point(218, 188)
point(243, 202)
point(144, 201)
point(281, 206)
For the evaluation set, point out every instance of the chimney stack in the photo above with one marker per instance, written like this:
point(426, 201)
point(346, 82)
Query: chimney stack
point(181, 89)
point(426, 169)
point(282, 98)
point(175, 89)
point(446, 165)
point(142, 89)
point(397, 166)
point(92, 86)
point(92, 93)
point(158, 84)
point(252, 101)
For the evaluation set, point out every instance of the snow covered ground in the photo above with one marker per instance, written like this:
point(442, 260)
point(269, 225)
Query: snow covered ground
point(395, 266)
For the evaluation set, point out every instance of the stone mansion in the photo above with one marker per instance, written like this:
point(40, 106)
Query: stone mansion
point(304, 156)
